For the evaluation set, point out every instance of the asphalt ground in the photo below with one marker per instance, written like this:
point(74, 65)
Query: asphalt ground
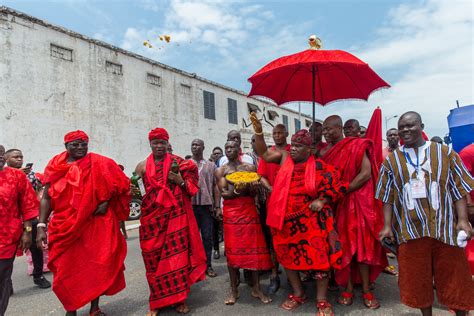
point(205, 298)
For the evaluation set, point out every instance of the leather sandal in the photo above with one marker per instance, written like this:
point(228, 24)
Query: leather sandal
point(324, 308)
point(293, 302)
point(346, 298)
point(370, 301)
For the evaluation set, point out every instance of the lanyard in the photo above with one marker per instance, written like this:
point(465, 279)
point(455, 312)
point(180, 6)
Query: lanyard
point(407, 156)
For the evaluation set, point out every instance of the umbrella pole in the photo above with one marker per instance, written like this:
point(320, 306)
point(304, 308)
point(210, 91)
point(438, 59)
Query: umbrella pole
point(313, 72)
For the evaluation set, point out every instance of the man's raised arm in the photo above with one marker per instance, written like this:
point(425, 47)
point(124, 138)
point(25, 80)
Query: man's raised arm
point(260, 145)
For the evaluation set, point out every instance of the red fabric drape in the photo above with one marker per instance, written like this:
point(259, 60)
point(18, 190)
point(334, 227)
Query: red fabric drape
point(359, 217)
point(308, 240)
point(245, 245)
point(278, 202)
point(86, 251)
point(169, 238)
point(18, 203)
point(374, 133)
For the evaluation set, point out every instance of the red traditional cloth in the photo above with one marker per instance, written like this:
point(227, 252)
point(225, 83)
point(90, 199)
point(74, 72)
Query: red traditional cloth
point(467, 156)
point(308, 240)
point(470, 255)
point(18, 203)
point(169, 238)
point(269, 170)
point(245, 245)
point(359, 217)
point(76, 135)
point(86, 251)
point(158, 133)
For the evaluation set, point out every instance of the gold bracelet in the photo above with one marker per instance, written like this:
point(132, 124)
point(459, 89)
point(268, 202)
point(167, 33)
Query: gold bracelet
point(259, 134)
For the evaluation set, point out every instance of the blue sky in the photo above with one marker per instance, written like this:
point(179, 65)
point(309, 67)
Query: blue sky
point(423, 49)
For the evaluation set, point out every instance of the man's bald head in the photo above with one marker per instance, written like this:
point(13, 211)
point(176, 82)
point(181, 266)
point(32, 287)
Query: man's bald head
point(352, 128)
point(279, 135)
point(316, 131)
point(332, 129)
point(234, 136)
point(333, 120)
point(414, 115)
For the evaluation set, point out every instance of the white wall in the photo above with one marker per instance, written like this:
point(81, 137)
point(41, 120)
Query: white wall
point(43, 97)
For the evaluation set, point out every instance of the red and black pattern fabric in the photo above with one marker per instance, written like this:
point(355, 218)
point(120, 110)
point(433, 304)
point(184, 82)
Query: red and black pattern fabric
point(308, 240)
point(245, 245)
point(169, 238)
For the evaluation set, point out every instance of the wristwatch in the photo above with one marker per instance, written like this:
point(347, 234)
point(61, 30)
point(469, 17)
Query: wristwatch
point(27, 229)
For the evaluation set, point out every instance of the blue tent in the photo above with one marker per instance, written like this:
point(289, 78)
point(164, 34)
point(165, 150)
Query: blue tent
point(461, 126)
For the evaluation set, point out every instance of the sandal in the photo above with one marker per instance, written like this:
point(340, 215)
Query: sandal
point(324, 308)
point(370, 301)
point(346, 298)
point(390, 270)
point(293, 302)
point(97, 312)
point(182, 308)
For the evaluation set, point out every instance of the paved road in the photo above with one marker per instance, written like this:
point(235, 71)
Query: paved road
point(206, 298)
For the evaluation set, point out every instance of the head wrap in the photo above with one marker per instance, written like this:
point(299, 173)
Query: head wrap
point(158, 133)
point(302, 137)
point(76, 135)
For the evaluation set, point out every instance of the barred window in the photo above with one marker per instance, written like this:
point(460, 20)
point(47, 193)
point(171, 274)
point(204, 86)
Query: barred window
point(113, 68)
point(153, 79)
point(61, 52)
point(232, 110)
point(209, 105)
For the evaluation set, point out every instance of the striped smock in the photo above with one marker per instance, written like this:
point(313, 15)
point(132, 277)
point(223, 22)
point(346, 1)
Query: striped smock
point(446, 180)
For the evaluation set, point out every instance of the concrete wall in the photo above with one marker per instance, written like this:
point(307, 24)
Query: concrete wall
point(42, 97)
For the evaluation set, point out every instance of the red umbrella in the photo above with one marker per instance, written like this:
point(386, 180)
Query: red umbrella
point(317, 76)
point(374, 132)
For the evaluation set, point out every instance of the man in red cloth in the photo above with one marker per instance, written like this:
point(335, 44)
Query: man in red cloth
point(245, 245)
point(359, 218)
point(316, 131)
point(89, 195)
point(303, 227)
point(18, 206)
point(268, 172)
point(169, 237)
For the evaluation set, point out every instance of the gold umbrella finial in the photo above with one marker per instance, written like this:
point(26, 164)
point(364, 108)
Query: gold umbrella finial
point(315, 42)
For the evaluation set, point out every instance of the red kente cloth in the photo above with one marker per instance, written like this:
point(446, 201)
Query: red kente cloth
point(169, 238)
point(18, 203)
point(269, 170)
point(86, 251)
point(359, 217)
point(307, 240)
point(245, 245)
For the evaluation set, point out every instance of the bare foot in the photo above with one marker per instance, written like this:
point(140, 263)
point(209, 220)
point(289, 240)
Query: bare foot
point(262, 297)
point(182, 308)
point(152, 313)
point(232, 298)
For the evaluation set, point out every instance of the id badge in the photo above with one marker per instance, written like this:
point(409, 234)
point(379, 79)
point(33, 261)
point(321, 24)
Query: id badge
point(418, 188)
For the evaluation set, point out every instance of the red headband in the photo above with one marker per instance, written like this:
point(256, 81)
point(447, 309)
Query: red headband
point(302, 137)
point(158, 133)
point(76, 135)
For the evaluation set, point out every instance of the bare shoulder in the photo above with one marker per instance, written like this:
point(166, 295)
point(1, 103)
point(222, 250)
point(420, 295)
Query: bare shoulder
point(141, 168)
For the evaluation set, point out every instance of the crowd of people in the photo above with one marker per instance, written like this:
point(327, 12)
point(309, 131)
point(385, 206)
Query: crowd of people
point(325, 210)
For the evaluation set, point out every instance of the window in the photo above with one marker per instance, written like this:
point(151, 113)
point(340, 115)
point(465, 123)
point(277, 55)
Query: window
point(209, 105)
point(61, 52)
point(285, 121)
point(297, 125)
point(113, 68)
point(185, 89)
point(232, 110)
point(153, 79)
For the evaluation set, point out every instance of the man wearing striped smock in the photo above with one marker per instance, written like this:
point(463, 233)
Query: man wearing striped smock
point(423, 186)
